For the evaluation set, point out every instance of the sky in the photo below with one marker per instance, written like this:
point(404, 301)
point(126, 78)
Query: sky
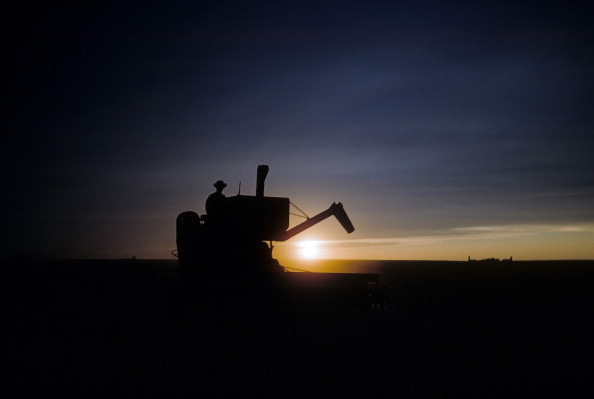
point(447, 129)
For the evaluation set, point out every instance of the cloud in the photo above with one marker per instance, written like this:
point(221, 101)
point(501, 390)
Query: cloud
point(474, 233)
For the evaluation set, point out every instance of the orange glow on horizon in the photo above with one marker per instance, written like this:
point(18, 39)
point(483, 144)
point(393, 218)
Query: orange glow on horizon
point(522, 242)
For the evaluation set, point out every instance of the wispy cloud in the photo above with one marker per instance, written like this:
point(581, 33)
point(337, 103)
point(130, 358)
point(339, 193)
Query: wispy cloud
point(472, 233)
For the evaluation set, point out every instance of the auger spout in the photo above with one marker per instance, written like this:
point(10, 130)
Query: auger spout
point(336, 209)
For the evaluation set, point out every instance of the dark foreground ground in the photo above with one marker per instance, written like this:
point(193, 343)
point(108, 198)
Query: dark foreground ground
point(127, 328)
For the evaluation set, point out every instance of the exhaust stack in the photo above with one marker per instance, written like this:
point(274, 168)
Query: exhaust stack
point(261, 175)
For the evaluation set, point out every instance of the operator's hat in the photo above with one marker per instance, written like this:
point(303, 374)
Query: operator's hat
point(220, 184)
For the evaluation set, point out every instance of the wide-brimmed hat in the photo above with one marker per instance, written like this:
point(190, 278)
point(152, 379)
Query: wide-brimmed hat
point(220, 184)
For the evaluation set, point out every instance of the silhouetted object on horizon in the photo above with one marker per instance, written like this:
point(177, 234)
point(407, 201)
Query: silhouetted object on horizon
point(491, 260)
point(229, 243)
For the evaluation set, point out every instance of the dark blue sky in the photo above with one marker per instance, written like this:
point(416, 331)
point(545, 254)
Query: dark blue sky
point(426, 119)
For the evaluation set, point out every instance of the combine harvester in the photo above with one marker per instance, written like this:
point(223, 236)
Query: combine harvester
point(226, 255)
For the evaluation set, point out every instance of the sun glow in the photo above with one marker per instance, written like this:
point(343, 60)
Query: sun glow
point(309, 249)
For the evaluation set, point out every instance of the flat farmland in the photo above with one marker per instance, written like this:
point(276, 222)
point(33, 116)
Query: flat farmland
point(488, 329)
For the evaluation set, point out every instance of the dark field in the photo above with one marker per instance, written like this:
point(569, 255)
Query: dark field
point(128, 328)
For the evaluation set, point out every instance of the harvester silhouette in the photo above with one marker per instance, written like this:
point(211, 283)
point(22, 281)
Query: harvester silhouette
point(228, 249)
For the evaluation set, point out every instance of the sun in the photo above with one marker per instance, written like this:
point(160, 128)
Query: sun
point(309, 249)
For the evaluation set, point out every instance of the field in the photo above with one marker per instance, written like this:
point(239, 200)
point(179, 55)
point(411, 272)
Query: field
point(128, 328)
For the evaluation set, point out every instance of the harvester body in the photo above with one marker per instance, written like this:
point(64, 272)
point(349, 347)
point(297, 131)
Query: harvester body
point(237, 237)
point(234, 248)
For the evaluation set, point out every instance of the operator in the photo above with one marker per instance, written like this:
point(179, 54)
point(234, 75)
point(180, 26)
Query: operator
point(216, 204)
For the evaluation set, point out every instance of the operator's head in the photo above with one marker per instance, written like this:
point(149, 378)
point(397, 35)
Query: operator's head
point(220, 185)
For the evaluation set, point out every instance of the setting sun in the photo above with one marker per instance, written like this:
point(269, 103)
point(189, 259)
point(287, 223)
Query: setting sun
point(309, 249)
